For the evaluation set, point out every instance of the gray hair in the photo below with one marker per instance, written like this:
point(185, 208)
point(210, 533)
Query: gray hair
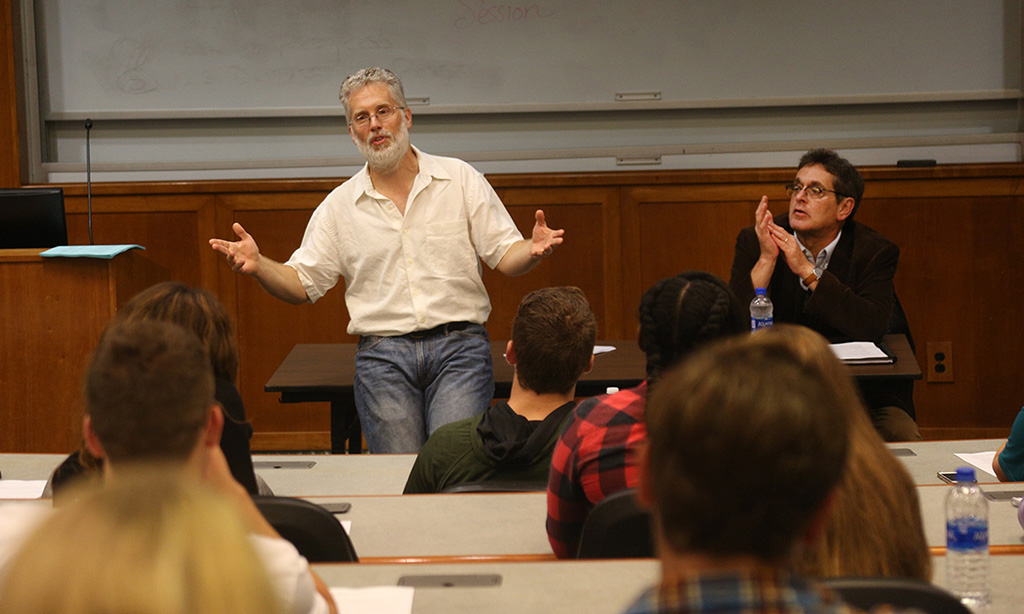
point(366, 77)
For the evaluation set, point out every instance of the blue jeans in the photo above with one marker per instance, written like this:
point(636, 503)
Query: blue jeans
point(406, 388)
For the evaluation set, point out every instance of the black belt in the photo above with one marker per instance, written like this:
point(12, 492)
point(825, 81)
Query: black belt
point(442, 329)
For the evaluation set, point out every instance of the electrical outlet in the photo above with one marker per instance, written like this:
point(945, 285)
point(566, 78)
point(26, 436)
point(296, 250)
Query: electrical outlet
point(940, 361)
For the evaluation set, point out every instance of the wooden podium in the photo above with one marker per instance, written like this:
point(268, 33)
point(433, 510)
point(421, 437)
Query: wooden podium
point(52, 311)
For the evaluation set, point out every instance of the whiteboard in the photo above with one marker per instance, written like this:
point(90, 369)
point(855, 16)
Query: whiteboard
point(195, 58)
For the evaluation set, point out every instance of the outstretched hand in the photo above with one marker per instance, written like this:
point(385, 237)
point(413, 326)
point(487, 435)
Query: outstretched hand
point(544, 239)
point(243, 255)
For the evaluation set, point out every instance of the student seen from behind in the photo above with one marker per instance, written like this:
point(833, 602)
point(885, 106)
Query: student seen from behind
point(596, 455)
point(552, 345)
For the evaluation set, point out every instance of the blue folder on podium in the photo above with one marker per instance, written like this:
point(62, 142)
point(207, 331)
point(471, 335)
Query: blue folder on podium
point(106, 252)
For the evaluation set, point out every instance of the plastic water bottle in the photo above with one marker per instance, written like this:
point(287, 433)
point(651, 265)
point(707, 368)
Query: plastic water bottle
point(967, 564)
point(760, 310)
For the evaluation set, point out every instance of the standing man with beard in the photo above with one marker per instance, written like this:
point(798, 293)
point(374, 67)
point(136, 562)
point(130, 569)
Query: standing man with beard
point(407, 234)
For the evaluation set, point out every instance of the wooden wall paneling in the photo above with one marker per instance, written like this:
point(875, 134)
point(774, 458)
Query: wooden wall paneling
point(269, 328)
point(584, 260)
point(958, 228)
point(206, 228)
point(618, 324)
point(691, 227)
point(958, 263)
point(924, 248)
point(170, 226)
point(689, 236)
point(52, 337)
point(1002, 180)
point(10, 156)
point(52, 312)
point(632, 248)
point(225, 280)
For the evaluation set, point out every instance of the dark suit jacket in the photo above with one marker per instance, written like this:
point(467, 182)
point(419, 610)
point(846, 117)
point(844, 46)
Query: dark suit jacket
point(853, 299)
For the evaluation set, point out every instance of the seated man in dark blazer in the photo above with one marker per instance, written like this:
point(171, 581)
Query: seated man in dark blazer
point(552, 346)
point(826, 271)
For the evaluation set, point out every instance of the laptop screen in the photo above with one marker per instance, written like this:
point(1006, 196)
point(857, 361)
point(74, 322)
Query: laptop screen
point(32, 217)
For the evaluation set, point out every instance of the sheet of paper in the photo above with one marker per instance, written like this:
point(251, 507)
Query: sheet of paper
point(373, 599)
point(981, 460)
point(88, 251)
point(21, 489)
point(347, 525)
point(857, 351)
point(598, 349)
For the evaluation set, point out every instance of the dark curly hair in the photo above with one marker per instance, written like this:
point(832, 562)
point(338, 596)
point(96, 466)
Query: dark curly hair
point(681, 313)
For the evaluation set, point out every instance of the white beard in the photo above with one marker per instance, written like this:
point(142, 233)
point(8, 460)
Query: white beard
point(386, 159)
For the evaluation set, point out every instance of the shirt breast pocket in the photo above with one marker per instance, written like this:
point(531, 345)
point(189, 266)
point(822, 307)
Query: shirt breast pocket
point(448, 249)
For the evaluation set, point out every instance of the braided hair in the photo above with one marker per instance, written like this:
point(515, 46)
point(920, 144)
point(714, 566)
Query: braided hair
point(681, 313)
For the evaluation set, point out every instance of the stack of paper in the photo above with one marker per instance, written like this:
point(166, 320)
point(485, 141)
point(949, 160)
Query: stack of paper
point(22, 489)
point(861, 353)
point(373, 599)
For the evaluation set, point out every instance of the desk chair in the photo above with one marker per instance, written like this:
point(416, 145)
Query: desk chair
point(314, 531)
point(496, 486)
point(617, 528)
point(867, 593)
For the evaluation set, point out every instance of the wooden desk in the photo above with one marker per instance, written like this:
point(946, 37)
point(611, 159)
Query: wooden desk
point(52, 311)
point(905, 366)
point(448, 528)
point(325, 371)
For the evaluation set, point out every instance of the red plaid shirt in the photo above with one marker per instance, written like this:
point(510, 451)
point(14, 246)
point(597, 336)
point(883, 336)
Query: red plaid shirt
point(595, 457)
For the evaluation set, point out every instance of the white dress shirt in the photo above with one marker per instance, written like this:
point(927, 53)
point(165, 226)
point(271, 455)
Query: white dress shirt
point(411, 272)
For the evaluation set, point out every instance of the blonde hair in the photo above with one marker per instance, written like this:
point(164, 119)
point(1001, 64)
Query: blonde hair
point(151, 542)
point(875, 527)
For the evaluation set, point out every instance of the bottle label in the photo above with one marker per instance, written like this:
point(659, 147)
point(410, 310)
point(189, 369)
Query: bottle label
point(966, 534)
point(756, 323)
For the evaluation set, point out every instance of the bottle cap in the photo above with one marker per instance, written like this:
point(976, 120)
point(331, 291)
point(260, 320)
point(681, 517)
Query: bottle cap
point(965, 474)
point(760, 291)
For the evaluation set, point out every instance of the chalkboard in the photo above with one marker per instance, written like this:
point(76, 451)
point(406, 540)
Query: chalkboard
point(243, 58)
